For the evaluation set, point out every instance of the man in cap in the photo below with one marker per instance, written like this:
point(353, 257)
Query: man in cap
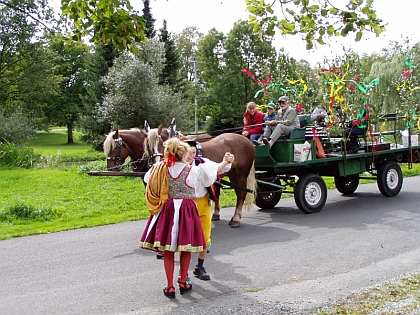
point(285, 122)
point(203, 204)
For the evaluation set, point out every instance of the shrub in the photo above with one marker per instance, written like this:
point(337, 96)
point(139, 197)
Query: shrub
point(13, 155)
point(93, 166)
point(23, 211)
point(16, 128)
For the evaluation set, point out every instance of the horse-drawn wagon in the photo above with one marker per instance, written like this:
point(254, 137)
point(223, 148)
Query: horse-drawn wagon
point(267, 173)
point(277, 172)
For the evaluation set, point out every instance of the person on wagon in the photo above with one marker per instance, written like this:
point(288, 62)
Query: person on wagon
point(201, 197)
point(286, 121)
point(271, 115)
point(253, 122)
point(174, 224)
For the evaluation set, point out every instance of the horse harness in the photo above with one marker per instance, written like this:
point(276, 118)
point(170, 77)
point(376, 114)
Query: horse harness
point(137, 164)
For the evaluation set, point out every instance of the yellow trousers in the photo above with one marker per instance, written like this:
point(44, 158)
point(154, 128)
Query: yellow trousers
point(204, 211)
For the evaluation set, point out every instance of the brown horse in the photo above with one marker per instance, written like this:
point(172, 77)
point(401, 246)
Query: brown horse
point(242, 173)
point(144, 148)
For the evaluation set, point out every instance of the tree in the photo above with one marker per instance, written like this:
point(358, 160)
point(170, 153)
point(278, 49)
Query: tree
point(150, 21)
point(66, 107)
point(170, 71)
point(187, 43)
point(226, 89)
point(107, 21)
point(315, 20)
point(97, 66)
point(27, 80)
point(134, 95)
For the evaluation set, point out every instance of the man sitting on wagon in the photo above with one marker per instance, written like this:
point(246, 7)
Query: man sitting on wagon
point(286, 121)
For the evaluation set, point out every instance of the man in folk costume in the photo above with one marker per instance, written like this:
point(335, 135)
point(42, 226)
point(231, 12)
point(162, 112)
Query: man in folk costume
point(202, 198)
point(174, 224)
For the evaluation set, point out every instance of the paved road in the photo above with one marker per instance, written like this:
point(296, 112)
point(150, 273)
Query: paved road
point(279, 261)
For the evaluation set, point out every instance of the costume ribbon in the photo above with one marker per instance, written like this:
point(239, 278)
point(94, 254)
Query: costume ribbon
point(171, 160)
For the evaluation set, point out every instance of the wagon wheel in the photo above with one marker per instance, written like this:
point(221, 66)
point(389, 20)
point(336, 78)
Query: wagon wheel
point(267, 196)
point(310, 193)
point(389, 179)
point(347, 184)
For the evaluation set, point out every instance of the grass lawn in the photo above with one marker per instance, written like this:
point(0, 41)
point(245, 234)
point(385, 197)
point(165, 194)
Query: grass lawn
point(54, 143)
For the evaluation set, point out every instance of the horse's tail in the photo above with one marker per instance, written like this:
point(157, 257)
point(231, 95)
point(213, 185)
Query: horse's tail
point(251, 183)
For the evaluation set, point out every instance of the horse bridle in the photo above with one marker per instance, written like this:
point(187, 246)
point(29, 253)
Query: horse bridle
point(137, 164)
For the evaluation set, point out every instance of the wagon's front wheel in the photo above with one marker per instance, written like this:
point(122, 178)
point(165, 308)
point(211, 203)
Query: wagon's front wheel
point(389, 178)
point(310, 193)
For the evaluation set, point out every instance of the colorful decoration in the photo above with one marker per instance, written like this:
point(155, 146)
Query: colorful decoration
point(259, 82)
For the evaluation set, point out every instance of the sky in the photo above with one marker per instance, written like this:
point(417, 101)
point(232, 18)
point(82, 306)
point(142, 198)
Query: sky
point(401, 17)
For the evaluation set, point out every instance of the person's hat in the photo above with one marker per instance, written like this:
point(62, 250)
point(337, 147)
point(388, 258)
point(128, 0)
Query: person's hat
point(271, 105)
point(283, 99)
point(191, 143)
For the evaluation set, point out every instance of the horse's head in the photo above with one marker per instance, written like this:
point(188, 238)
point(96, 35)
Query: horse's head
point(171, 131)
point(153, 146)
point(116, 150)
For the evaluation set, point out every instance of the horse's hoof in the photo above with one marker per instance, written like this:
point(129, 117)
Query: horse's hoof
point(215, 217)
point(230, 222)
point(235, 224)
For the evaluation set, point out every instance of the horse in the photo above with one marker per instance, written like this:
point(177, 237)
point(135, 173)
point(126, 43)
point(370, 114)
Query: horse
point(242, 173)
point(144, 148)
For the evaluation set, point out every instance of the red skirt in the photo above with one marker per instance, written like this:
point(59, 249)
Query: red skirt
point(175, 228)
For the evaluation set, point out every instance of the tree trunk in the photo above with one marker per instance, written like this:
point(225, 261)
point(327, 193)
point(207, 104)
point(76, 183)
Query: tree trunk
point(70, 133)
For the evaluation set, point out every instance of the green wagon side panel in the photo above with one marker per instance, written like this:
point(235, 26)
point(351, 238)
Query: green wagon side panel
point(351, 167)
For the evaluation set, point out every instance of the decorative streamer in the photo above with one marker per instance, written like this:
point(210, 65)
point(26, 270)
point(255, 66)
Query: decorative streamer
point(408, 63)
point(264, 83)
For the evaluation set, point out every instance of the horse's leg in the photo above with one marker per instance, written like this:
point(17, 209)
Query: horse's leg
point(240, 180)
point(216, 213)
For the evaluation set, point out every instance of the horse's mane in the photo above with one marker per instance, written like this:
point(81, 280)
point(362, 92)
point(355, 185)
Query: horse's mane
point(109, 143)
point(151, 142)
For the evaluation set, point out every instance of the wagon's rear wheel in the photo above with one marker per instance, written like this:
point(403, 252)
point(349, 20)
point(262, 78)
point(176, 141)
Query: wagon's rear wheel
point(389, 178)
point(268, 196)
point(347, 184)
point(310, 193)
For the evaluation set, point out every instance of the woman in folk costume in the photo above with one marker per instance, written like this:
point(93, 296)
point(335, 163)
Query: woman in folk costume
point(174, 224)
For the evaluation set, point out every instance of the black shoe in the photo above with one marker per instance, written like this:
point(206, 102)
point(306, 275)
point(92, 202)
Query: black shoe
point(256, 142)
point(160, 255)
point(186, 287)
point(265, 141)
point(188, 280)
point(201, 273)
point(169, 294)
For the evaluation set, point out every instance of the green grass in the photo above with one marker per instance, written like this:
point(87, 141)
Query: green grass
point(79, 199)
point(395, 297)
point(54, 144)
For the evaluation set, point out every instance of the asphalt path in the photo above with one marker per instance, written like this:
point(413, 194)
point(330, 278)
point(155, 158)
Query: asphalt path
point(280, 261)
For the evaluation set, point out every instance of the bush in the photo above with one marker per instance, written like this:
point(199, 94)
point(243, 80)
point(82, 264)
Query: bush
point(93, 166)
point(22, 211)
point(12, 155)
point(16, 128)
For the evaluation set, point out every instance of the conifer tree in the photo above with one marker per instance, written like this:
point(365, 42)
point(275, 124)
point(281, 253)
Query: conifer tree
point(172, 64)
point(150, 21)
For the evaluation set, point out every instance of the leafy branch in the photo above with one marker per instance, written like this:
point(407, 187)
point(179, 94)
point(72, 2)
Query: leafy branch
point(315, 20)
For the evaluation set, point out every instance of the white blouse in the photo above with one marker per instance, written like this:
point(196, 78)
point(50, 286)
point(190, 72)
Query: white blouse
point(200, 177)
